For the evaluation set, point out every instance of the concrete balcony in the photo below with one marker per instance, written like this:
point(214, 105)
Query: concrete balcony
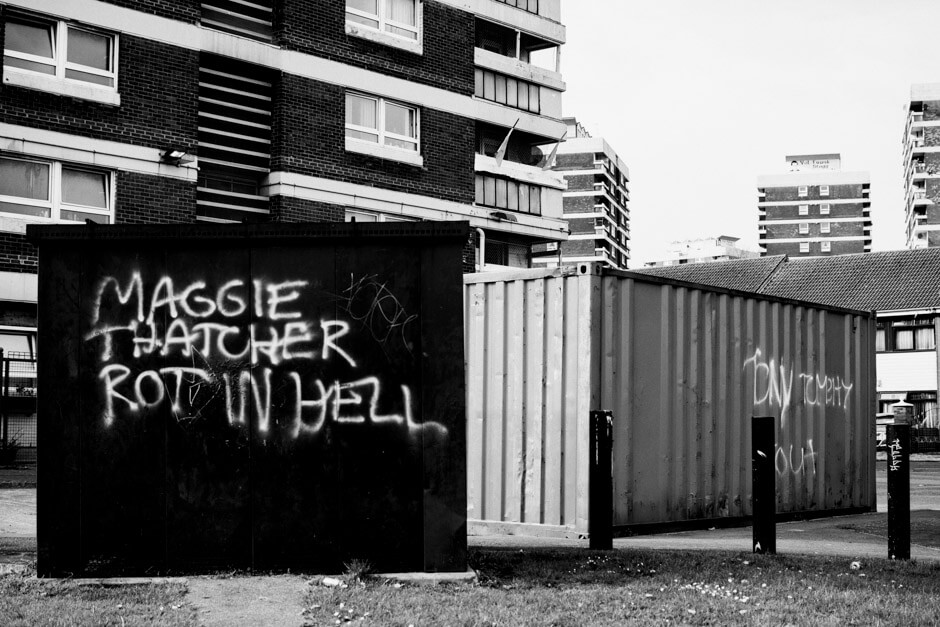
point(518, 69)
point(551, 184)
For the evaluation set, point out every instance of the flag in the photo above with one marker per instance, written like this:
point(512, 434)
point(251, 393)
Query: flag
point(501, 152)
point(551, 156)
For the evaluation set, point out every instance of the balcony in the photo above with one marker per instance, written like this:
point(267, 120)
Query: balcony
point(515, 53)
point(517, 187)
point(920, 198)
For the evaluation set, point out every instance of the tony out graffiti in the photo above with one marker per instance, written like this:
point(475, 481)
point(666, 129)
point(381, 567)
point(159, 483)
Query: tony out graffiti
point(777, 385)
point(250, 346)
point(795, 460)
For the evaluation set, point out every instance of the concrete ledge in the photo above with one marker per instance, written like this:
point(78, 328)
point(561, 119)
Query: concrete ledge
point(496, 528)
point(429, 579)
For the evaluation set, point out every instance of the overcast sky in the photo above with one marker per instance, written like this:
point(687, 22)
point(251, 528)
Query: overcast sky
point(699, 97)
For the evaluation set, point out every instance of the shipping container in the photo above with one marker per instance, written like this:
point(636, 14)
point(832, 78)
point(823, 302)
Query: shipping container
point(683, 368)
point(250, 396)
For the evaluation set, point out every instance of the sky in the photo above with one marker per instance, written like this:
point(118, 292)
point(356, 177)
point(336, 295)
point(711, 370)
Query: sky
point(700, 97)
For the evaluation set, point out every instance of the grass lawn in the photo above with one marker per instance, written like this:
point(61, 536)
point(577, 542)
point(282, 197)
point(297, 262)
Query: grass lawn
point(550, 587)
point(28, 602)
point(579, 587)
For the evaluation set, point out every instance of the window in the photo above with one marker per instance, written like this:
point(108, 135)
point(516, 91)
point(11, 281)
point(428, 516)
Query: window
point(825, 247)
point(54, 191)
point(508, 194)
point(507, 90)
point(392, 22)
point(912, 334)
point(354, 215)
point(824, 209)
point(825, 227)
point(60, 56)
point(804, 247)
point(823, 190)
point(383, 123)
point(804, 210)
point(804, 228)
point(532, 6)
point(802, 191)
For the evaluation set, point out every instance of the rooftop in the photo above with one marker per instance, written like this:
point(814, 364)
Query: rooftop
point(882, 281)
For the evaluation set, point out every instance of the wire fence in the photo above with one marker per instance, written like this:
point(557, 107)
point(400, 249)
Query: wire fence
point(18, 390)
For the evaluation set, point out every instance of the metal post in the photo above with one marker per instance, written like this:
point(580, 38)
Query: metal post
point(899, 483)
point(600, 482)
point(763, 445)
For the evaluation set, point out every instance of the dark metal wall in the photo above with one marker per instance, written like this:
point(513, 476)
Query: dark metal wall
point(261, 397)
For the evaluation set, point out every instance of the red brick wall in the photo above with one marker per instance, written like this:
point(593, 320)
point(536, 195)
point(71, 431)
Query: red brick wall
point(308, 137)
point(146, 199)
point(318, 28)
point(158, 85)
point(793, 250)
point(792, 212)
point(778, 194)
point(184, 10)
point(16, 254)
point(288, 209)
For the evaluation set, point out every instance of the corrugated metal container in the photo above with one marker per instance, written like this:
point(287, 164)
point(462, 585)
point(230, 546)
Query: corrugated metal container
point(683, 368)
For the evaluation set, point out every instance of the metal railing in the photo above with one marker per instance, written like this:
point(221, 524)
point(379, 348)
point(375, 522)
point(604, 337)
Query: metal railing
point(18, 391)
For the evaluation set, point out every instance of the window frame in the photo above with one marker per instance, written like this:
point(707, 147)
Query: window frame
point(58, 81)
point(380, 34)
point(824, 208)
point(823, 190)
point(379, 148)
point(804, 247)
point(825, 226)
point(802, 191)
point(379, 216)
point(803, 228)
point(804, 210)
point(56, 202)
point(825, 247)
point(893, 326)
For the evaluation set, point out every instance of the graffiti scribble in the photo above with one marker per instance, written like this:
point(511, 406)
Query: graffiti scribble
point(369, 302)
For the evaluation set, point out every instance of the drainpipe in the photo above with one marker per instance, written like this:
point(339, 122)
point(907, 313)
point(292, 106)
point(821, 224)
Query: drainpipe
point(481, 266)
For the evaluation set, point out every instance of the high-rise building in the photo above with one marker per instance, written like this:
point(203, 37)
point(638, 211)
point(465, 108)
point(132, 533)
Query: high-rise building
point(815, 209)
point(595, 203)
point(922, 167)
point(277, 111)
point(721, 248)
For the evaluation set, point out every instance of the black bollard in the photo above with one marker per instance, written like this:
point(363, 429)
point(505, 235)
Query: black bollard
point(600, 483)
point(763, 447)
point(899, 491)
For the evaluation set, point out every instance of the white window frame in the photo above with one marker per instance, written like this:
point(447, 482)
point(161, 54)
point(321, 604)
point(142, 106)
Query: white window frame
point(379, 217)
point(58, 82)
point(824, 209)
point(55, 203)
point(804, 247)
point(823, 190)
point(804, 210)
point(380, 148)
point(804, 228)
point(802, 191)
point(825, 227)
point(825, 247)
point(381, 35)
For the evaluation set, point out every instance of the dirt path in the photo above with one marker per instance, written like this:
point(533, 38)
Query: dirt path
point(256, 601)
